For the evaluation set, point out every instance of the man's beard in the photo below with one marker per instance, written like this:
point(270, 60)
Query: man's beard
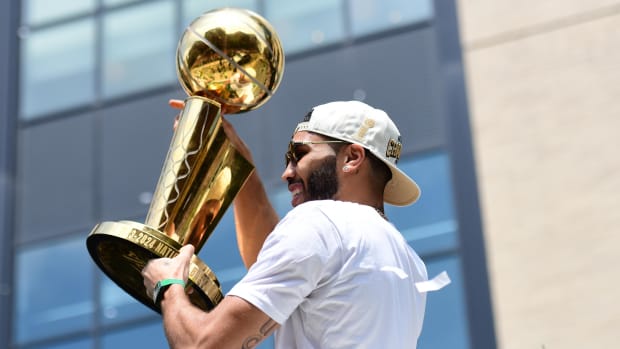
point(323, 181)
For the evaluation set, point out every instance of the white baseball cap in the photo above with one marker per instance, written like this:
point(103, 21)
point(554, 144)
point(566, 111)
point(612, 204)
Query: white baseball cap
point(372, 128)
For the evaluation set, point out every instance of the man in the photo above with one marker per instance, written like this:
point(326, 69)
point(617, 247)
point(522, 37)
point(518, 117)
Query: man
point(334, 272)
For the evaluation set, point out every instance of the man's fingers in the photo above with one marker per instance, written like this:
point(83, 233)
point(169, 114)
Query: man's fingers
point(176, 103)
point(186, 252)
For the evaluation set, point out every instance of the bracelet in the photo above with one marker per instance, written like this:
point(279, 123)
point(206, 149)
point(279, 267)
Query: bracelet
point(162, 286)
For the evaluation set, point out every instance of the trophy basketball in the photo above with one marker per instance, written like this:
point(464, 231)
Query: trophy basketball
point(228, 61)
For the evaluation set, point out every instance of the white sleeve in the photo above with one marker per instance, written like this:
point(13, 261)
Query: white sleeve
point(297, 256)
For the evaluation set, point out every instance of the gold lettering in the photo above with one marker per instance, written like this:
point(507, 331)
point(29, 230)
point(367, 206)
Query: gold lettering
point(393, 149)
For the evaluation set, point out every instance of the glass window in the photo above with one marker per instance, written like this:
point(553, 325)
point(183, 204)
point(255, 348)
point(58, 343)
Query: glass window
point(70, 344)
point(193, 9)
point(306, 24)
point(429, 225)
point(109, 3)
point(58, 68)
point(138, 48)
point(53, 295)
point(147, 336)
point(369, 16)
point(117, 305)
point(40, 11)
point(445, 320)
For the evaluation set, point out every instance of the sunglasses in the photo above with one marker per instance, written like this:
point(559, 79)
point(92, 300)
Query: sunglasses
point(291, 153)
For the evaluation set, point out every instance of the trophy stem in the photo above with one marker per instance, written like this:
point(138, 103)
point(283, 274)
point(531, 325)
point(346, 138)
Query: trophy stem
point(202, 174)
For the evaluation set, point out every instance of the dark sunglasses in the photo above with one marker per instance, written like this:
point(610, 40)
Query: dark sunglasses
point(291, 153)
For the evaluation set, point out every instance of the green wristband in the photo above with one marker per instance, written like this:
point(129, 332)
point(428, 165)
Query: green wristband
point(162, 286)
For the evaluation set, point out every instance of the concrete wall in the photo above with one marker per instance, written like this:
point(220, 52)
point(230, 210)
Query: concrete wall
point(543, 81)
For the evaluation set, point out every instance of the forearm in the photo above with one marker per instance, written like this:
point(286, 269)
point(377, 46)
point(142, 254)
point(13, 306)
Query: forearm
point(234, 323)
point(180, 318)
point(255, 218)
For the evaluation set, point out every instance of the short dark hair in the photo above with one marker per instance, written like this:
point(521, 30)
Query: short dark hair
point(379, 168)
point(381, 171)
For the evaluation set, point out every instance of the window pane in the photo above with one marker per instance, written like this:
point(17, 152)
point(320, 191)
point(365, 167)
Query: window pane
point(139, 48)
point(429, 224)
point(72, 344)
point(193, 9)
point(41, 11)
point(58, 68)
point(369, 16)
point(117, 2)
point(117, 305)
point(445, 320)
point(149, 336)
point(306, 24)
point(53, 295)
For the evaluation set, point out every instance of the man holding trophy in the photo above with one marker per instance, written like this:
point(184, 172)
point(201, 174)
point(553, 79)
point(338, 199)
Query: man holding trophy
point(333, 273)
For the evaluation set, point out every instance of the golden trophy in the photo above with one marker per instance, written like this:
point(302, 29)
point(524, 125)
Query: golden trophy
point(228, 61)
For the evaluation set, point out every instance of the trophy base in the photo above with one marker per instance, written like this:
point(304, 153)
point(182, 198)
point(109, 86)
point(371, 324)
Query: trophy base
point(122, 249)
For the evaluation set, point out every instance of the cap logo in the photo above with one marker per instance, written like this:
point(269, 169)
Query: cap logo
point(393, 149)
point(366, 125)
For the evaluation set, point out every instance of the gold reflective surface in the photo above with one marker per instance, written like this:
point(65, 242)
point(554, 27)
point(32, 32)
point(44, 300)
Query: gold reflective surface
point(232, 56)
point(122, 249)
point(201, 176)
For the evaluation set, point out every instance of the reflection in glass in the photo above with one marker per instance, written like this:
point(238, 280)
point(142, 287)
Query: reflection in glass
point(193, 9)
point(368, 16)
point(53, 295)
point(445, 321)
point(41, 11)
point(138, 48)
point(58, 68)
point(306, 24)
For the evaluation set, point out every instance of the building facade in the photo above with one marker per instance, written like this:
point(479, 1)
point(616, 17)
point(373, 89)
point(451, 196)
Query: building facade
point(542, 80)
point(85, 129)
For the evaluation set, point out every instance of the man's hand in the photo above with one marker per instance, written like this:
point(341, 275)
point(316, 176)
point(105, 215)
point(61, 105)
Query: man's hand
point(176, 104)
point(234, 138)
point(167, 268)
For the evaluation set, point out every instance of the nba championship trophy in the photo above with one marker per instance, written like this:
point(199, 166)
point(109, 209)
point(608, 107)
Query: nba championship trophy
point(228, 61)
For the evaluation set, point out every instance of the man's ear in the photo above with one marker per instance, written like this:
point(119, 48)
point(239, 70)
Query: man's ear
point(354, 156)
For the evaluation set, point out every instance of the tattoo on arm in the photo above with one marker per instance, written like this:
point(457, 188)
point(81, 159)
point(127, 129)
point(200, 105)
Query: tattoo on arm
point(264, 332)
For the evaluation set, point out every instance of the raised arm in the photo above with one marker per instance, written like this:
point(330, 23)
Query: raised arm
point(234, 323)
point(255, 217)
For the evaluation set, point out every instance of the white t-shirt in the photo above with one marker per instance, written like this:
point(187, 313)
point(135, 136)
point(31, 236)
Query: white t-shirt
point(337, 275)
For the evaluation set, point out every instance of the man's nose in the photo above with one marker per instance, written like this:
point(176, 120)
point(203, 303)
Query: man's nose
point(289, 171)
